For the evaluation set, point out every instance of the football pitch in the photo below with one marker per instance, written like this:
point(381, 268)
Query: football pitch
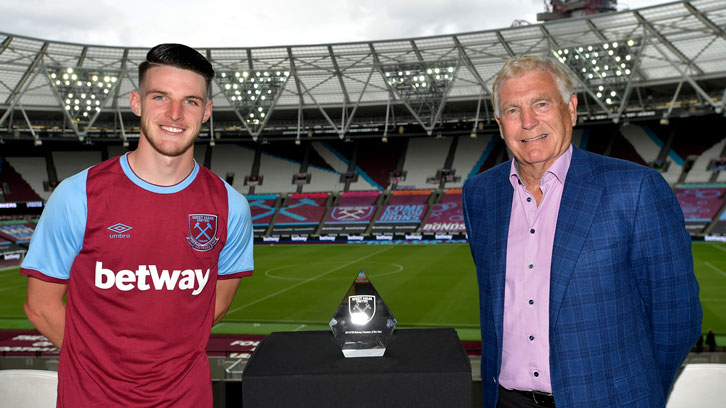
point(299, 287)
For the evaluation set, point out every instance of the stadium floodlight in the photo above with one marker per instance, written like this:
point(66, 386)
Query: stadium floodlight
point(253, 94)
point(606, 68)
point(422, 86)
point(82, 93)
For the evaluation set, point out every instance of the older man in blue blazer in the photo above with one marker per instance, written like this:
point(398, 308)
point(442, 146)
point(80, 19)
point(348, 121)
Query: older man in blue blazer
point(586, 286)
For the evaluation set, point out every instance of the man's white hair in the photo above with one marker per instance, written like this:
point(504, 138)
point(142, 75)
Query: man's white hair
point(518, 66)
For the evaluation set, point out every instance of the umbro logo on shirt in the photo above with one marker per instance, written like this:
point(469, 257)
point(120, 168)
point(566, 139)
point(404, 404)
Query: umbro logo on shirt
point(119, 230)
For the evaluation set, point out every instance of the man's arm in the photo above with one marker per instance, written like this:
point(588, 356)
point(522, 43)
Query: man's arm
point(226, 289)
point(45, 308)
point(663, 268)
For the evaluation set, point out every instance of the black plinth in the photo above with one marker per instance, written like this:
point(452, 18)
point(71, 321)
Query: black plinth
point(421, 368)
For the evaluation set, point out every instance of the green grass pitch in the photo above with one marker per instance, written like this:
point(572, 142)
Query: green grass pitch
point(298, 287)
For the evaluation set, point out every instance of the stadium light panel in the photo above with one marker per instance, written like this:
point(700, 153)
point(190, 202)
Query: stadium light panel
point(82, 92)
point(252, 94)
point(604, 67)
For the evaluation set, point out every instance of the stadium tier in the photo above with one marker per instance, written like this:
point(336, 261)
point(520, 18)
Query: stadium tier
point(446, 215)
point(700, 206)
point(301, 215)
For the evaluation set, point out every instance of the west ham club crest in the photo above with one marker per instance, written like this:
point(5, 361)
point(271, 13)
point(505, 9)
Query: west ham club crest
point(202, 232)
point(362, 308)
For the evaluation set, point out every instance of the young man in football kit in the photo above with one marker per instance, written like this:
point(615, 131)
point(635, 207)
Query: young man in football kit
point(148, 249)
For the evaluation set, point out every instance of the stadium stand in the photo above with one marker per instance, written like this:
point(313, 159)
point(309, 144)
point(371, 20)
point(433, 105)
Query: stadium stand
point(33, 171)
point(648, 145)
point(17, 232)
point(446, 215)
point(68, 163)
point(338, 157)
point(700, 204)
point(262, 210)
point(404, 213)
point(13, 188)
point(353, 214)
point(720, 227)
point(700, 172)
point(424, 157)
point(301, 215)
point(470, 156)
point(232, 160)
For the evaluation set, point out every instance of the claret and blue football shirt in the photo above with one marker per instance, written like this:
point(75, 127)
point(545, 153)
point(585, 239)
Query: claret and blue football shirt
point(141, 262)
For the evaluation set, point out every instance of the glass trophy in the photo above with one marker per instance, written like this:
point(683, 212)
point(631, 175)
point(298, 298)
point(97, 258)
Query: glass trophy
point(363, 325)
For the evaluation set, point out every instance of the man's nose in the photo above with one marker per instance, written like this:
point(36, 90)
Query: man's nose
point(529, 119)
point(174, 110)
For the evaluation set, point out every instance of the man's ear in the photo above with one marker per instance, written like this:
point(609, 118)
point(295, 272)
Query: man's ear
point(572, 108)
point(499, 123)
point(135, 102)
point(207, 111)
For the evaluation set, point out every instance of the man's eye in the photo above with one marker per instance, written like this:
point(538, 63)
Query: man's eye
point(157, 97)
point(192, 102)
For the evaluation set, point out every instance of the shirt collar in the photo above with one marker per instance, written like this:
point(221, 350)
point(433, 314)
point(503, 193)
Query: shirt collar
point(558, 168)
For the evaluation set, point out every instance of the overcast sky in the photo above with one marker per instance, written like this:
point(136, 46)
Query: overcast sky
point(219, 23)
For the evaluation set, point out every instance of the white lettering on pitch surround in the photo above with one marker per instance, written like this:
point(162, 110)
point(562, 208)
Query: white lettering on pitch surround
point(126, 280)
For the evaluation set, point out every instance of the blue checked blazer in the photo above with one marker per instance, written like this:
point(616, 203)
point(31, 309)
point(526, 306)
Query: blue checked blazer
point(624, 308)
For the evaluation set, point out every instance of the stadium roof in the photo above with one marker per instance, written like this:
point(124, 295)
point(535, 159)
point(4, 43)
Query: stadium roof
point(654, 61)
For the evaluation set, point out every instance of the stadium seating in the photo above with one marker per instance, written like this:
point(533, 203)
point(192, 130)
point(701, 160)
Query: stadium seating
point(358, 198)
point(68, 163)
point(262, 208)
point(28, 388)
point(699, 205)
point(338, 161)
point(446, 215)
point(18, 232)
point(699, 172)
point(19, 190)
point(423, 157)
point(33, 170)
point(231, 159)
point(302, 213)
point(648, 145)
point(470, 154)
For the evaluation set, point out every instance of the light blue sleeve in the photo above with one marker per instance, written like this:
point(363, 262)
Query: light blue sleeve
point(236, 256)
point(58, 237)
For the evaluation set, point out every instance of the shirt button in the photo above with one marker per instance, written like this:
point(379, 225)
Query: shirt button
point(531, 302)
point(536, 374)
point(531, 338)
point(529, 199)
point(531, 231)
point(531, 266)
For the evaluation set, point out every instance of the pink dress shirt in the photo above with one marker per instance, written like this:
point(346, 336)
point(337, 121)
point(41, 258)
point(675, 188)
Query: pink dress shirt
point(525, 342)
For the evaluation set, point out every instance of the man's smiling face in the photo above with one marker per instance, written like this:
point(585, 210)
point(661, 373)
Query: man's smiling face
point(172, 103)
point(535, 123)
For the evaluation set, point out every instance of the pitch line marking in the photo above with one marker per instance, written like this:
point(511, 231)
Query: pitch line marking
point(717, 246)
point(372, 275)
point(710, 265)
point(238, 308)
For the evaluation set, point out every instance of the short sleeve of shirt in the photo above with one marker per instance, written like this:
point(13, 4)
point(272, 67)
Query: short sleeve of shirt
point(236, 256)
point(58, 237)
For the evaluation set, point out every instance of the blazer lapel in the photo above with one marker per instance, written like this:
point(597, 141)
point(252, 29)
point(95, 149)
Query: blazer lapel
point(577, 210)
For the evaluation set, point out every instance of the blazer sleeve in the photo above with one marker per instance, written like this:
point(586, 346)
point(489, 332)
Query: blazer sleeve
point(662, 264)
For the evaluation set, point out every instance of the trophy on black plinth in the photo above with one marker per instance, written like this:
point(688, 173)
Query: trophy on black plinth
point(363, 325)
